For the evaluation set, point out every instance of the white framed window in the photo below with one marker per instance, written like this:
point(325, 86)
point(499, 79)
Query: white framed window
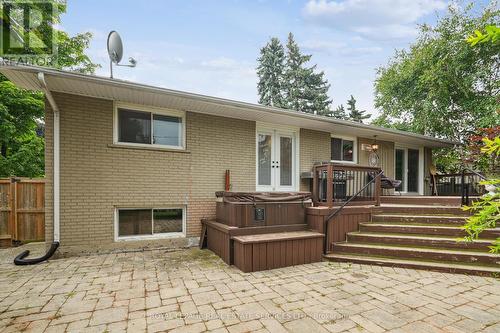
point(149, 223)
point(344, 149)
point(149, 126)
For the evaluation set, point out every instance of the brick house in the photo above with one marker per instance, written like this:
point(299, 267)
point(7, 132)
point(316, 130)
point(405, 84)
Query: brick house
point(132, 166)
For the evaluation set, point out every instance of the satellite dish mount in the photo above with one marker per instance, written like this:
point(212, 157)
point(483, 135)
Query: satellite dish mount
point(115, 52)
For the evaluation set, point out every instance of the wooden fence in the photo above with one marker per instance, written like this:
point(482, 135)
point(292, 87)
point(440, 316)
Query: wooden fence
point(22, 210)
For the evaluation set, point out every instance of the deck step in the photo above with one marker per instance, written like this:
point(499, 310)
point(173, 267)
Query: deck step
point(415, 264)
point(419, 241)
point(419, 253)
point(452, 231)
point(422, 210)
point(420, 219)
point(421, 200)
point(275, 250)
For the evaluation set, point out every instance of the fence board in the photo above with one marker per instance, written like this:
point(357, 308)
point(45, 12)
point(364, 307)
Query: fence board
point(22, 210)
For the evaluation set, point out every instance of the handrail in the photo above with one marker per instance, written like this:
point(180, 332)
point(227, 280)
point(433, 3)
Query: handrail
point(336, 212)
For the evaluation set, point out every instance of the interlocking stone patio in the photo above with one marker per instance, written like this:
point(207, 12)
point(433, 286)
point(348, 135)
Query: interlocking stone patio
point(194, 291)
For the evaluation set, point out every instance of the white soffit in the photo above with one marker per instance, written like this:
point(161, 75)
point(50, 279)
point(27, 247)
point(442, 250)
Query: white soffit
point(125, 91)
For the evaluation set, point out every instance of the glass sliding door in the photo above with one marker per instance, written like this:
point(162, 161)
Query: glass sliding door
point(407, 169)
point(400, 168)
point(413, 175)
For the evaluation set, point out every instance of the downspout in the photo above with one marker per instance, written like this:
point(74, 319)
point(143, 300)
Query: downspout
point(21, 258)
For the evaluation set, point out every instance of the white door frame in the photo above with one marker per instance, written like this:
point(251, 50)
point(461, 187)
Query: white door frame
point(276, 131)
point(421, 175)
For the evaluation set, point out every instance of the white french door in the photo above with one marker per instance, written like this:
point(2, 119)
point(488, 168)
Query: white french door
point(276, 160)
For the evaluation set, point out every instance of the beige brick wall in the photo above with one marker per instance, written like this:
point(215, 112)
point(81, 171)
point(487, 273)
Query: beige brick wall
point(314, 147)
point(96, 177)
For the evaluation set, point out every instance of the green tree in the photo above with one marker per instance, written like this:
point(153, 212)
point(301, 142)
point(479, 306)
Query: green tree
point(441, 86)
point(306, 90)
point(271, 70)
point(338, 113)
point(354, 113)
point(22, 111)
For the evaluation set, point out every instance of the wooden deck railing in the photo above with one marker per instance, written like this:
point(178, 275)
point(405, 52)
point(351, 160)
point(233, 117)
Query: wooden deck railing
point(334, 184)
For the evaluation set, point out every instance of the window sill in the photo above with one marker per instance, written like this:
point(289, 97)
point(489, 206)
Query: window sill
point(151, 237)
point(344, 162)
point(152, 148)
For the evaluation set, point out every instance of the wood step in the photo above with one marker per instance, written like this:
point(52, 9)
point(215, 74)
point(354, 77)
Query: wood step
point(422, 219)
point(268, 251)
point(421, 200)
point(419, 253)
point(421, 210)
point(277, 236)
point(419, 241)
point(451, 231)
point(415, 264)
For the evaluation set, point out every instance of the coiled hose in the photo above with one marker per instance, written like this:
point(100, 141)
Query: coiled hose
point(21, 257)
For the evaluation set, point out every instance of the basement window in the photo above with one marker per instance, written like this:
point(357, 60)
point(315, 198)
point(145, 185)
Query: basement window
point(143, 127)
point(149, 223)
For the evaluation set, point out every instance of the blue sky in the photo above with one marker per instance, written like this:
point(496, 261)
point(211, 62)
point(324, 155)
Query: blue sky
point(211, 46)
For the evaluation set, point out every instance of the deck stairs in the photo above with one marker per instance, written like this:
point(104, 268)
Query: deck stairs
point(419, 233)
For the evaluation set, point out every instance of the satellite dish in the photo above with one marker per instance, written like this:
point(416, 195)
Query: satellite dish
point(115, 52)
point(115, 47)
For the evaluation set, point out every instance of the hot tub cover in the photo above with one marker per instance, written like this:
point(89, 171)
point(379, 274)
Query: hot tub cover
point(263, 196)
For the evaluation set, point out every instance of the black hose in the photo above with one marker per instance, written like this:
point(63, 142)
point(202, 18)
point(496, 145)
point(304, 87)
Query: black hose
point(20, 259)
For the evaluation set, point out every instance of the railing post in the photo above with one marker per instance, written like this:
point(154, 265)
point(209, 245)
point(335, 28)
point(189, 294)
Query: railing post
point(463, 187)
point(315, 189)
point(329, 185)
point(378, 188)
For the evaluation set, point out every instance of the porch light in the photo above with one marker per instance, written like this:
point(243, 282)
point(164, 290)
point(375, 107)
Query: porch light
point(375, 144)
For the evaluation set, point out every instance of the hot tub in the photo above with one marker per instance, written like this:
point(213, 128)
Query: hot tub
point(253, 209)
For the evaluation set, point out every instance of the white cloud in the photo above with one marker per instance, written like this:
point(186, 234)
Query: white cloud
point(381, 19)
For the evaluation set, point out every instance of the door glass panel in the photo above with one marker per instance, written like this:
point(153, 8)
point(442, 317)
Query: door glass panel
point(400, 166)
point(264, 159)
point(285, 161)
point(412, 170)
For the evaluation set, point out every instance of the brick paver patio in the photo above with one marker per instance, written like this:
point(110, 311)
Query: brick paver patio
point(193, 291)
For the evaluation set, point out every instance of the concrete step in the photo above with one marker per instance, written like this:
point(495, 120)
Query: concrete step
point(452, 231)
point(473, 269)
point(421, 200)
point(421, 210)
point(419, 253)
point(418, 241)
point(420, 219)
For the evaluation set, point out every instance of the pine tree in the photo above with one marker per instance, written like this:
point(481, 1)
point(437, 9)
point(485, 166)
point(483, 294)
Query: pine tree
point(271, 74)
point(355, 114)
point(306, 90)
point(339, 113)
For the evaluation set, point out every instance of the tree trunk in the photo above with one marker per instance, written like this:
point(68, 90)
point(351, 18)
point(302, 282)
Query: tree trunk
point(3, 149)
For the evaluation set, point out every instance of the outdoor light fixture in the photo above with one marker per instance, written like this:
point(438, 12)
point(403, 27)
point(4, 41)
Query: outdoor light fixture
point(375, 144)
